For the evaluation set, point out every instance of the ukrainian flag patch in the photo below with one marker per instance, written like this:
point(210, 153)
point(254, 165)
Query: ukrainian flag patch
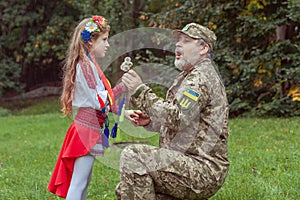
point(189, 98)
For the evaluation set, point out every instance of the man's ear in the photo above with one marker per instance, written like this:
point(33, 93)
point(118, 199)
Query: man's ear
point(204, 49)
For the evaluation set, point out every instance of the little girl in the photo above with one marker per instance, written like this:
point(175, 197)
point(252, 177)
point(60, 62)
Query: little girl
point(86, 89)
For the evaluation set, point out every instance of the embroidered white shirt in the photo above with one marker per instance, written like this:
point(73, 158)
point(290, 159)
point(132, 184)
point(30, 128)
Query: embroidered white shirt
point(84, 94)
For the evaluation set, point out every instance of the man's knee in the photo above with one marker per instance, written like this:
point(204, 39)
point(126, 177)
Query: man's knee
point(137, 150)
point(130, 162)
point(128, 152)
point(134, 159)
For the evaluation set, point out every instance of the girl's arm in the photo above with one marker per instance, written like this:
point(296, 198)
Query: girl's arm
point(119, 89)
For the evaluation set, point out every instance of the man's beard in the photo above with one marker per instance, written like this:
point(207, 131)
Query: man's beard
point(186, 64)
point(181, 64)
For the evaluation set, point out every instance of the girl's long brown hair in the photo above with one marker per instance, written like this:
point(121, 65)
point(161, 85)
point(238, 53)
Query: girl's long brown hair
point(76, 53)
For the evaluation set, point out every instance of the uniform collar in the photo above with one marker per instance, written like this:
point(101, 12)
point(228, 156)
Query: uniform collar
point(190, 68)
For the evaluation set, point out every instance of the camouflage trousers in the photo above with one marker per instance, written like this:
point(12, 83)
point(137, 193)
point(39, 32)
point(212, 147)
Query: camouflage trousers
point(152, 173)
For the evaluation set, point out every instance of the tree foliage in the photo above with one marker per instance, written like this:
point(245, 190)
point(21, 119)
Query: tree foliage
point(257, 51)
point(35, 35)
point(33, 39)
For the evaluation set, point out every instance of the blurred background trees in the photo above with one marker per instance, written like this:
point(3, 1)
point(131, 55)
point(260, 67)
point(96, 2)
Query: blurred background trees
point(258, 49)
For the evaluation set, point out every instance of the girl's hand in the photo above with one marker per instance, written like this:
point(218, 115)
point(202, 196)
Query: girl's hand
point(137, 118)
point(131, 115)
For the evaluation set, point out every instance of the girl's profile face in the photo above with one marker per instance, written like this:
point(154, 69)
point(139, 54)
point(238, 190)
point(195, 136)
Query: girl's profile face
point(101, 45)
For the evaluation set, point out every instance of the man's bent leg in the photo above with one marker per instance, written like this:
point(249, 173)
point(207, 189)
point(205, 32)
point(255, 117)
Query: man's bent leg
point(135, 183)
point(147, 170)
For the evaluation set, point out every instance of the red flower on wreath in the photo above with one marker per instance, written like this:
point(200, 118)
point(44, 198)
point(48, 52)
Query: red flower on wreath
point(100, 21)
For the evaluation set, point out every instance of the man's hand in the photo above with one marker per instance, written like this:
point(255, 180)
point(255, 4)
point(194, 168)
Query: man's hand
point(137, 118)
point(132, 81)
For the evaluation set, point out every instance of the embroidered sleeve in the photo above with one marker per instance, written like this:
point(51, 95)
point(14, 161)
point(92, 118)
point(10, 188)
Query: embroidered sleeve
point(119, 89)
point(88, 75)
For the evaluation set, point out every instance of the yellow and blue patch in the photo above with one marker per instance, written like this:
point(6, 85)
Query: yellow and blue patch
point(189, 98)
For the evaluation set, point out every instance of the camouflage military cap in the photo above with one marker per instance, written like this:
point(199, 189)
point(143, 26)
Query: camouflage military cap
point(197, 31)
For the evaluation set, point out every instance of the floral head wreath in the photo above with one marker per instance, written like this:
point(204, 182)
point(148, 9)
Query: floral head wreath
point(96, 24)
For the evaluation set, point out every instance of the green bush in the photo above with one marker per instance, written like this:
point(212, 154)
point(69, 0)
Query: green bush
point(4, 112)
point(257, 50)
point(10, 73)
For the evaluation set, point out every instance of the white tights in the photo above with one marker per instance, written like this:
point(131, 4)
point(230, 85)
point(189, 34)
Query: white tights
point(81, 178)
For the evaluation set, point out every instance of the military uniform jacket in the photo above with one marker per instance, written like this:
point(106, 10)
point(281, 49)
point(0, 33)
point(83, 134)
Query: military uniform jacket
point(193, 119)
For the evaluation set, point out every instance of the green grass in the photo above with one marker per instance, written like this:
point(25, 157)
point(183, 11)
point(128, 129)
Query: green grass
point(265, 159)
point(30, 140)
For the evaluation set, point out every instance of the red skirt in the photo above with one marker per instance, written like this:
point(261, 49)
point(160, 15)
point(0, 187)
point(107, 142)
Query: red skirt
point(79, 141)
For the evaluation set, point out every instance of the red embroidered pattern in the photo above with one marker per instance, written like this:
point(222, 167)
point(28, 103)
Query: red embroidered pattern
point(88, 75)
point(119, 89)
point(93, 120)
point(90, 118)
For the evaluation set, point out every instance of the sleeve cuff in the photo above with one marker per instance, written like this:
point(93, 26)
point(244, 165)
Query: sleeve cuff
point(138, 91)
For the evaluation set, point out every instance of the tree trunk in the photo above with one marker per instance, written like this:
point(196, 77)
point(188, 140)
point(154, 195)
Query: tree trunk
point(281, 32)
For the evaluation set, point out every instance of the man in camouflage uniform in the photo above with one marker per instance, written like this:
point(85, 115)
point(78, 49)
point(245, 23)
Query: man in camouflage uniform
point(191, 160)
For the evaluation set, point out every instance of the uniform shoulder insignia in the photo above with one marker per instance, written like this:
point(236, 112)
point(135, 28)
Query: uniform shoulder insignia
point(188, 99)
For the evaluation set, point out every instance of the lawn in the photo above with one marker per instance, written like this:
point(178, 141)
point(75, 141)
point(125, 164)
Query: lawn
point(264, 155)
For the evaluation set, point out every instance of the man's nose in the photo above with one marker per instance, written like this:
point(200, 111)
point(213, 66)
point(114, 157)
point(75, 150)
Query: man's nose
point(178, 44)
